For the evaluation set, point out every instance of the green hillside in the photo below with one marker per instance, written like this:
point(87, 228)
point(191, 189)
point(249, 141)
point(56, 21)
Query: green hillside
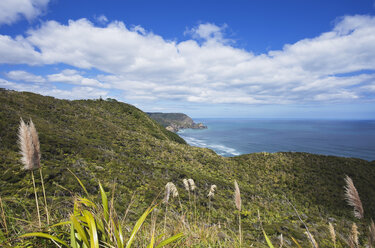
point(117, 143)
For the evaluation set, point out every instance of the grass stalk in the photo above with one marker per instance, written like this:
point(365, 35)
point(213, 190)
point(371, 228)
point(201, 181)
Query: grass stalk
point(3, 215)
point(44, 195)
point(36, 199)
point(237, 200)
point(195, 208)
point(209, 210)
point(165, 216)
point(239, 228)
point(307, 229)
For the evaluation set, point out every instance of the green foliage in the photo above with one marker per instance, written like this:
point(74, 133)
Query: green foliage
point(111, 141)
point(92, 226)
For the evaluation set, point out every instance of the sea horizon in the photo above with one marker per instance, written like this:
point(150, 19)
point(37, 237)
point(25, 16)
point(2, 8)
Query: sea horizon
point(237, 136)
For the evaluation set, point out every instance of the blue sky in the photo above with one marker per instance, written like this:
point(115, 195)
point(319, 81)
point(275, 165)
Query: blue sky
point(251, 59)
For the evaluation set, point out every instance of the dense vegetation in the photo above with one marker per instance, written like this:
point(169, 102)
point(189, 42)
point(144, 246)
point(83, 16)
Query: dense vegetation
point(118, 144)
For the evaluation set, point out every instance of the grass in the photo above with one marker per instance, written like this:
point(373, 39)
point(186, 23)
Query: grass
point(95, 223)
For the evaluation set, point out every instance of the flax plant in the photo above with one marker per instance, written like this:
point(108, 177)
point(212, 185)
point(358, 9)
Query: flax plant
point(92, 226)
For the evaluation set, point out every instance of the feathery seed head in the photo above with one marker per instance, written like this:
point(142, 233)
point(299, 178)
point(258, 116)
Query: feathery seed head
point(281, 240)
point(186, 184)
point(352, 197)
point(212, 191)
point(35, 139)
point(355, 234)
point(192, 184)
point(332, 233)
point(170, 188)
point(30, 152)
point(237, 196)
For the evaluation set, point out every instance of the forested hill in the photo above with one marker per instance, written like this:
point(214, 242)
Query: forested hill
point(112, 142)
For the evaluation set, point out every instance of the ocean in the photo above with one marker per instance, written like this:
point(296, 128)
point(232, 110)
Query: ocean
point(232, 137)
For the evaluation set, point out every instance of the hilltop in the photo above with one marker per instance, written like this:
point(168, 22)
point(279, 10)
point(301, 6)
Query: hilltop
point(112, 142)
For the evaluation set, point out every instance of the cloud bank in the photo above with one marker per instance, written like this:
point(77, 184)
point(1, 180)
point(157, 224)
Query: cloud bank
point(336, 66)
point(13, 10)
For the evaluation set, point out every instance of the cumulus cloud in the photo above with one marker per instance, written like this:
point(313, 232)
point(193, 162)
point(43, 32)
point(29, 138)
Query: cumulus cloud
point(336, 66)
point(25, 76)
point(13, 10)
point(208, 32)
point(74, 77)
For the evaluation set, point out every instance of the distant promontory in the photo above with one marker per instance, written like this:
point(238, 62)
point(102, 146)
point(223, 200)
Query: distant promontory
point(175, 121)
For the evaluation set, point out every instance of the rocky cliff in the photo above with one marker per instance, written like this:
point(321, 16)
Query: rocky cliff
point(175, 121)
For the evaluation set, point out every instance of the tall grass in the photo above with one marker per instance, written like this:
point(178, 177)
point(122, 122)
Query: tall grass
point(29, 149)
point(92, 225)
point(96, 224)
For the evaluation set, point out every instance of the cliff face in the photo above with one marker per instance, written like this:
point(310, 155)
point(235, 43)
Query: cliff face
point(175, 121)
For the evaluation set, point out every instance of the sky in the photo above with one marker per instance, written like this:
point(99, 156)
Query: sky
point(213, 58)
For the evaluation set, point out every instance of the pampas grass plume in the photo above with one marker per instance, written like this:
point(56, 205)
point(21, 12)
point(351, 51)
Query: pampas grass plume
point(355, 234)
point(30, 152)
point(170, 188)
point(186, 184)
point(212, 191)
point(353, 199)
point(35, 139)
point(332, 233)
point(237, 196)
point(192, 184)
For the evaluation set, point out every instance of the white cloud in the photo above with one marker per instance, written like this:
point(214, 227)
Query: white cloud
point(73, 77)
point(25, 76)
point(102, 19)
point(12, 10)
point(143, 65)
point(18, 51)
point(208, 32)
point(72, 94)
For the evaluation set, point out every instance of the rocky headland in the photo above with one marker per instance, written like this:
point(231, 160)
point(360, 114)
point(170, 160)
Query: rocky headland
point(175, 121)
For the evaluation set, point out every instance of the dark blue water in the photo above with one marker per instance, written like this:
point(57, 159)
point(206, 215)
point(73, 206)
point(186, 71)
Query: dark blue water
point(231, 137)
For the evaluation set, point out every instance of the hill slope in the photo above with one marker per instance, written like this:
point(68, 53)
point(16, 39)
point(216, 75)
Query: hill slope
point(108, 140)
